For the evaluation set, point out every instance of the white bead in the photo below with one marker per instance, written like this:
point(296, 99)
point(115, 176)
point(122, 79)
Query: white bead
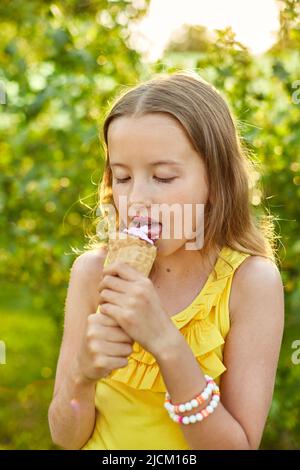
point(209, 393)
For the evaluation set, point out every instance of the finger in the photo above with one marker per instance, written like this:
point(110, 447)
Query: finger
point(110, 296)
point(115, 334)
point(117, 349)
point(111, 310)
point(115, 363)
point(114, 283)
point(114, 329)
point(107, 320)
point(123, 270)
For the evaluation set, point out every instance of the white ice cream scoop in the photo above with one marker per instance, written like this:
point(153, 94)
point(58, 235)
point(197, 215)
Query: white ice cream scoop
point(140, 232)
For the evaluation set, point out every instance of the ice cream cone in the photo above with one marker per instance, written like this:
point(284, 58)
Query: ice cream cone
point(134, 248)
point(135, 251)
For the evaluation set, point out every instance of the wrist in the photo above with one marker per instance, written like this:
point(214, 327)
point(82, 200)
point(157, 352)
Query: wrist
point(171, 345)
point(78, 376)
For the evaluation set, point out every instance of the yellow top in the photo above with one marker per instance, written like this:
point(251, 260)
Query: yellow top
point(129, 402)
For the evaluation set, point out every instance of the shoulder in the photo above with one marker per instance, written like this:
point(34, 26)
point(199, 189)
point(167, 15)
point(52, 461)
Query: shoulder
point(85, 277)
point(257, 281)
point(89, 265)
point(257, 270)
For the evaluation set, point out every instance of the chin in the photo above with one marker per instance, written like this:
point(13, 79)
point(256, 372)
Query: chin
point(169, 247)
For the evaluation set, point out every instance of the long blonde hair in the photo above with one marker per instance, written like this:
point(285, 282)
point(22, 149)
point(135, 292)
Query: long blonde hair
point(208, 122)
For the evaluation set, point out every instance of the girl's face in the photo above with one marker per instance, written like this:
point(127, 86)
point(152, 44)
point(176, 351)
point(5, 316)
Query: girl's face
point(153, 163)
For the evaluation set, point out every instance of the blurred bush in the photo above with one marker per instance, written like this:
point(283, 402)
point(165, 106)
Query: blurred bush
point(61, 64)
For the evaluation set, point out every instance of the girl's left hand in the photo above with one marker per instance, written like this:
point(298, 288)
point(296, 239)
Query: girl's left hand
point(131, 300)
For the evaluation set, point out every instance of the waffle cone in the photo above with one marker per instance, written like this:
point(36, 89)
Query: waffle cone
point(132, 250)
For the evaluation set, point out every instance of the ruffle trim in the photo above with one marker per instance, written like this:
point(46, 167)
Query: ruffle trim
point(202, 335)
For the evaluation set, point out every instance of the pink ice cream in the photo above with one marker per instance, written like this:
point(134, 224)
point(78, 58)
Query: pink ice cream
point(150, 232)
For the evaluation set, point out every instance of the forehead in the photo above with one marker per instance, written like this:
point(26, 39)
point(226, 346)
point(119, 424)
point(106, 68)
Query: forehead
point(153, 135)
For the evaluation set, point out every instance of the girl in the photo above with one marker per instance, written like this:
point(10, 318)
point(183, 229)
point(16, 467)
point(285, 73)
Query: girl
point(205, 329)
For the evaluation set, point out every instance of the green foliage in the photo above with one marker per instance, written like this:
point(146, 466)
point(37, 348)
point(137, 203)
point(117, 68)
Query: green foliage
point(26, 386)
point(61, 64)
point(189, 38)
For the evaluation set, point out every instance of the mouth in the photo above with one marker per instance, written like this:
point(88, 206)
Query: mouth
point(154, 227)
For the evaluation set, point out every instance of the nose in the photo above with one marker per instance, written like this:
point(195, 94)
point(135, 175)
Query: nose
point(139, 200)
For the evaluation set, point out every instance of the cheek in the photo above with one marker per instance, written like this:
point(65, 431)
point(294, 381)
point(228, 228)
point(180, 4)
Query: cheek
point(121, 210)
point(200, 199)
point(199, 190)
point(192, 201)
point(117, 192)
point(193, 189)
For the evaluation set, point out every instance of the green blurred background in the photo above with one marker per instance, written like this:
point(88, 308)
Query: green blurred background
point(61, 64)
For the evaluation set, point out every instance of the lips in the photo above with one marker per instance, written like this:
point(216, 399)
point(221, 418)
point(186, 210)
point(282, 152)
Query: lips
point(154, 227)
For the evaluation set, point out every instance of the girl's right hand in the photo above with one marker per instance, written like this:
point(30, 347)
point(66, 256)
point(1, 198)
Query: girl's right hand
point(105, 347)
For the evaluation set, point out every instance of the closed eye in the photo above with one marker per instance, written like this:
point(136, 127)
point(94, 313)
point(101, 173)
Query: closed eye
point(159, 180)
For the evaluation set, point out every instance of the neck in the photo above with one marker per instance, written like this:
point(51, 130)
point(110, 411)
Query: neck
point(183, 263)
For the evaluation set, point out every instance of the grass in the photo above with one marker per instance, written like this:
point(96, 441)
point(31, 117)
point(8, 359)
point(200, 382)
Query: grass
point(27, 378)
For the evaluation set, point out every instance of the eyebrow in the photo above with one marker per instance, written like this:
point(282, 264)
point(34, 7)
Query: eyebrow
point(161, 162)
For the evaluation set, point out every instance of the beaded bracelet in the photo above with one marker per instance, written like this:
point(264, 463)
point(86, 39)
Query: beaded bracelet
point(195, 402)
point(203, 413)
